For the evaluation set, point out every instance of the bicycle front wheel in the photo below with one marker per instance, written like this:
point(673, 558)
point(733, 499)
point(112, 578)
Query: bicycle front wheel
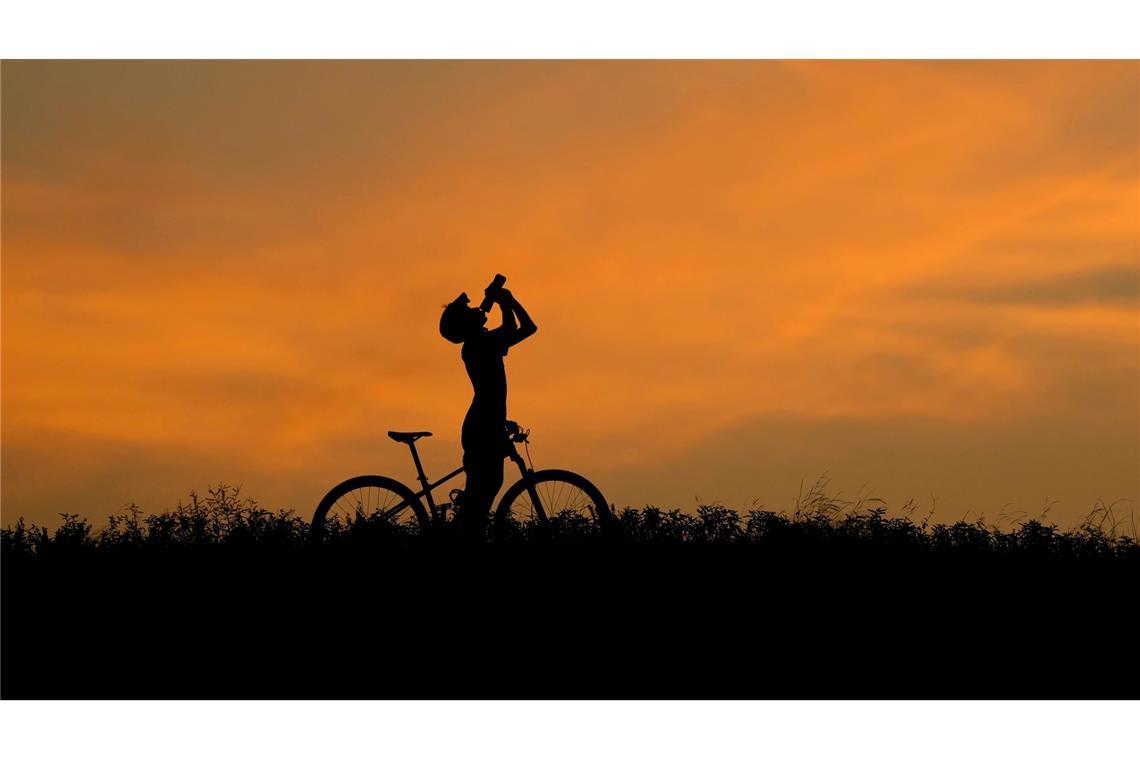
point(367, 499)
point(558, 500)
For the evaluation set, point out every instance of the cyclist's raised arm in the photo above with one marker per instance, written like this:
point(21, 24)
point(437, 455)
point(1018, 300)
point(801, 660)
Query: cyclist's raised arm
point(527, 327)
point(510, 325)
point(512, 332)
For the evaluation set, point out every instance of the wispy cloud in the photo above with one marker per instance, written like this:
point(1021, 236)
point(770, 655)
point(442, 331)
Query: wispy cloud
point(239, 265)
point(1111, 286)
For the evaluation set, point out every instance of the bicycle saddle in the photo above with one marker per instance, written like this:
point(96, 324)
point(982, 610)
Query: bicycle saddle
point(407, 437)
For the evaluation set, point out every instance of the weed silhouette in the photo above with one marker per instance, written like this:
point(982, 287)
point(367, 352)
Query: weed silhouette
point(221, 597)
point(223, 518)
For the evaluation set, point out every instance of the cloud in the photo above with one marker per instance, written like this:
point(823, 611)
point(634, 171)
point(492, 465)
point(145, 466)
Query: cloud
point(240, 265)
point(1110, 287)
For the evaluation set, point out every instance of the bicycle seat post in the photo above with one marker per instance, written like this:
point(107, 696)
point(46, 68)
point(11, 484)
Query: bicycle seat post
point(420, 475)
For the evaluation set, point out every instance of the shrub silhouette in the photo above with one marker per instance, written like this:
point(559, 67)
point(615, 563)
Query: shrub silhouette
point(222, 597)
point(224, 519)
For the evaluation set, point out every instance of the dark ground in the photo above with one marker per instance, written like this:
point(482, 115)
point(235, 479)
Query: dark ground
point(534, 621)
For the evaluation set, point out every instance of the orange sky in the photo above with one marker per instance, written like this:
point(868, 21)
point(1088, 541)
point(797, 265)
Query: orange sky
point(920, 276)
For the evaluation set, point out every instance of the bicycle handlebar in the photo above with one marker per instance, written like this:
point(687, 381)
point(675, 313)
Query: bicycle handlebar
point(516, 433)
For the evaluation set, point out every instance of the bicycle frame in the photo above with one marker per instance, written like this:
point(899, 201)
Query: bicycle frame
point(434, 510)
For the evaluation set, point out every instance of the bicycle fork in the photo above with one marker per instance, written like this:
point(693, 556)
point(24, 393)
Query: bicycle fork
point(530, 489)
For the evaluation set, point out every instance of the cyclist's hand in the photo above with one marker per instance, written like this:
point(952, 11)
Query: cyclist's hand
point(503, 296)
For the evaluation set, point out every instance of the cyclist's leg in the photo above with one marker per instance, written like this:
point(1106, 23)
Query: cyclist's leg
point(484, 479)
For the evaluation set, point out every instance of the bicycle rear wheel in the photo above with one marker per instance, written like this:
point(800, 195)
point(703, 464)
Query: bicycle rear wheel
point(556, 501)
point(368, 499)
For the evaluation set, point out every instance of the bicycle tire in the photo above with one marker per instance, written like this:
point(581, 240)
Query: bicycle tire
point(594, 505)
point(361, 482)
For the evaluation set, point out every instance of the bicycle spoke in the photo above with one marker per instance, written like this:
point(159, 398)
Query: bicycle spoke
point(549, 501)
point(370, 503)
point(553, 499)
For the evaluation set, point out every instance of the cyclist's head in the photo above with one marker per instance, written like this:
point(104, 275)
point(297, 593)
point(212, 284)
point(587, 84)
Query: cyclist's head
point(460, 321)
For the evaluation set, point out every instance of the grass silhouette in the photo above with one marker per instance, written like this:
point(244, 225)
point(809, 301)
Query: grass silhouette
point(222, 598)
point(223, 518)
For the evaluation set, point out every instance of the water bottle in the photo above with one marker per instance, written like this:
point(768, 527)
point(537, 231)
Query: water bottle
point(489, 298)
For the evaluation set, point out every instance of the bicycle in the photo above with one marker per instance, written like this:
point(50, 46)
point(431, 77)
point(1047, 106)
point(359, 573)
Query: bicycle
point(539, 495)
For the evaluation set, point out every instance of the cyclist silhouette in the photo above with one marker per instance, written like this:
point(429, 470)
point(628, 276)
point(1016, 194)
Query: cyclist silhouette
point(484, 437)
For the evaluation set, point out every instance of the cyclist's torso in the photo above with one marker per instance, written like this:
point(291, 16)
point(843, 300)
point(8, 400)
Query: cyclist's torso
point(483, 358)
